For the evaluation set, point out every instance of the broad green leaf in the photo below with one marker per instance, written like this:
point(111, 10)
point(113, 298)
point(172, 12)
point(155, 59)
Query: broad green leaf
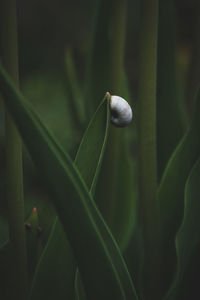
point(55, 272)
point(171, 123)
point(188, 237)
point(171, 188)
point(101, 113)
point(88, 160)
point(90, 153)
point(74, 206)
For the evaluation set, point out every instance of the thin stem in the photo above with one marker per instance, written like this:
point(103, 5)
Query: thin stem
point(14, 172)
point(147, 143)
point(118, 34)
point(115, 70)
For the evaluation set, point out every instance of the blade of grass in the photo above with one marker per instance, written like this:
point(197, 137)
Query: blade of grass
point(188, 236)
point(171, 191)
point(14, 172)
point(103, 112)
point(55, 272)
point(91, 150)
point(113, 274)
point(171, 188)
point(147, 144)
point(88, 160)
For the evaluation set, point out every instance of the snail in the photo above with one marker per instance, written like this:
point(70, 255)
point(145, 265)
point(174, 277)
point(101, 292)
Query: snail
point(121, 112)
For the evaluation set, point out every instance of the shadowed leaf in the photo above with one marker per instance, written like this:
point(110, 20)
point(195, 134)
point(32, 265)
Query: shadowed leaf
point(85, 228)
point(188, 240)
point(171, 189)
point(54, 276)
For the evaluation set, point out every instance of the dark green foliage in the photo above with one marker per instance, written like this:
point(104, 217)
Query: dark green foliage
point(171, 117)
point(171, 190)
point(102, 224)
point(91, 150)
point(67, 181)
point(55, 272)
point(188, 241)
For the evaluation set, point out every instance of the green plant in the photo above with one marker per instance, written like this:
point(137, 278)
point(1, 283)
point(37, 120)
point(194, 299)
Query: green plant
point(94, 234)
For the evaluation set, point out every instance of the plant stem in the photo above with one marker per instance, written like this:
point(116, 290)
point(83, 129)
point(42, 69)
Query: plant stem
point(147, 143)
point(118, 32)
point(115, 71)
point(14, 171)
point(117, 43)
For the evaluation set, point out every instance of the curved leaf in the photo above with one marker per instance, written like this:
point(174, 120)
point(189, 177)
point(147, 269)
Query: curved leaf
point(74, 205)
point(88, 159)
point(188, 236)
point(54, 276)
point(171, 189)
point(90, 153)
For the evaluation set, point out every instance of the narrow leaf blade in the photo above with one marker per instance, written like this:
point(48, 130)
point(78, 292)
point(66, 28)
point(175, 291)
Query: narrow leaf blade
point(55, 272)
point(188, 240)
point(90, 153)
point(90, 244)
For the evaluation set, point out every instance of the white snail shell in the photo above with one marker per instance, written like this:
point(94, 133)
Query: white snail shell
point(121, 112)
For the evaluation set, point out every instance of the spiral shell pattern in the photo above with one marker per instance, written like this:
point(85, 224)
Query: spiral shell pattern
point(121, 112)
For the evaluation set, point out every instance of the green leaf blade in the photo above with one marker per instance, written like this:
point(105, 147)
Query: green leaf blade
point(90, 153)
point(55, 271)
point(188, 239)
point(79, 216)
point(171, 192)
point(171, 188)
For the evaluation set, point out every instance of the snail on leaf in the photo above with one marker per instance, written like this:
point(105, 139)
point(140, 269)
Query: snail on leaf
point(121, 112)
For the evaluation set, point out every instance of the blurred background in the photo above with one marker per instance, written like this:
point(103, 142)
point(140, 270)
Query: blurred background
point(48, 30)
